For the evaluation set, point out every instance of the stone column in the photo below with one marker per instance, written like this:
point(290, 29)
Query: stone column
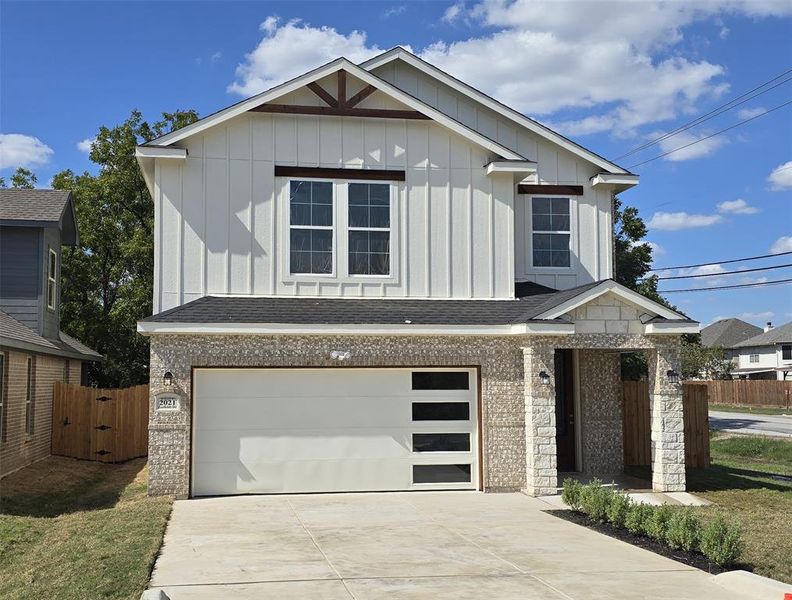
point(667, 421)
point(541, 474)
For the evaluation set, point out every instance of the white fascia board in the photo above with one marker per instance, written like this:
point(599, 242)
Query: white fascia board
point(521, 167)
point(329, 69)
point(491, 103)
point(671, 327)
point(623, 182)
point(617, 289)
point(149, 328)
point(160, 152)
point(147, 169)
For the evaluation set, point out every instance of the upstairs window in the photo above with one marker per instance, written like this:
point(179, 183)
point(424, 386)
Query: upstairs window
point(552, 232)
point(52, 281)
point(786, 352)
point(753, 357)
point(311, 227)
point(369, 228)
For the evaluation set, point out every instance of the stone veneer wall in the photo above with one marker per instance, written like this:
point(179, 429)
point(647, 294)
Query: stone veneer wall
point(509, 402)
point(501, 361)
point(601, 412)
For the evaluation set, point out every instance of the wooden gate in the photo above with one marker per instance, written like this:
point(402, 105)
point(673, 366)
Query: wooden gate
point(636, 427)
point(100, 424)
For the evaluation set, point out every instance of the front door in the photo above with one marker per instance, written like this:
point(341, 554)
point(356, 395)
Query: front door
point(565, 410)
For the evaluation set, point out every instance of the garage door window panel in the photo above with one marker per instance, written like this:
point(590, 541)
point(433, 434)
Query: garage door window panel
point(441, 473)
point(440, 380)
point(441, 442)
point(441, 411)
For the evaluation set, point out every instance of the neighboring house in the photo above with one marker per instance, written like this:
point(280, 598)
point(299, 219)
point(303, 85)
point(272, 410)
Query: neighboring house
point(375, 277)
point(725, 334)
point(34, 352)
point(767, 355)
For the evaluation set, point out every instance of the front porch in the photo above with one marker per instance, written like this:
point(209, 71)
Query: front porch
point(574, 410)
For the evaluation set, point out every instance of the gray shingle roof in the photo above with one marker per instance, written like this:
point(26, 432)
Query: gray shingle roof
point(42, 206)
point(777, 335)
point(727, 332)
point(17, 335)
point(365, 311)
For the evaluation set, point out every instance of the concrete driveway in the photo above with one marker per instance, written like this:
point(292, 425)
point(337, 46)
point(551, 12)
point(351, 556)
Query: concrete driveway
point(418, 545)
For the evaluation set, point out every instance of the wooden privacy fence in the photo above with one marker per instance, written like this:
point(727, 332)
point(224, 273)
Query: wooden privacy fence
point(750, 392)
point(100, 424)
point(637, 430)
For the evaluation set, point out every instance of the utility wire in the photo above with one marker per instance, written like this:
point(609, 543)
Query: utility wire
point(725, 272)
point(719, 110)
point(728, 287)
point(711, 135)
point(723, 262)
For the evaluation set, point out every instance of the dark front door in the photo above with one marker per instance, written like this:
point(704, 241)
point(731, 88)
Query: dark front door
point(565, 410)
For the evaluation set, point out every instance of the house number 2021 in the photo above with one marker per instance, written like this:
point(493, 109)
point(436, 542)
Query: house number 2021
point(167, 403)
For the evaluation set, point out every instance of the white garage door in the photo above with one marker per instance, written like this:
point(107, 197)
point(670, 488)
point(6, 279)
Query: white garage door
point(333, 430)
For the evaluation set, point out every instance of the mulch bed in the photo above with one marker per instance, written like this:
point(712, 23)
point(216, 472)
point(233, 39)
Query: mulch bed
point(692, 559)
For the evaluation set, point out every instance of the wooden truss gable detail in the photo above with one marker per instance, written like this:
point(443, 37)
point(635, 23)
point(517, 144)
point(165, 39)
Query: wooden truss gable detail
point(340, 106)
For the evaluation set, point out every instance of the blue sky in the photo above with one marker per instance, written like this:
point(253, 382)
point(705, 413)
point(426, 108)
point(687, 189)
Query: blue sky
point(610, 75)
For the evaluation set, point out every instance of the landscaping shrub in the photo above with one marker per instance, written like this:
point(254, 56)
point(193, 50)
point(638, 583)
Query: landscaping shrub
point(721, 541)
point(617, 509)
point(638, 518)
point(658, 523)
point(684, 530)
point(571, 493)
point(594, 499)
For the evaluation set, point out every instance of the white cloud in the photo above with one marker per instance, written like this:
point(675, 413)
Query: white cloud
point(736, 207)
point(292, 48)
point(454, 12)
point(85, 145)
point(749, 316)
point(215, 57)
point(781, 177)
point(681, 220)
point(782, 244)
point(691, 145)
point(394, 11)
point(19, 150)
point(724, 33)
point(749, 113)
point(657, 249)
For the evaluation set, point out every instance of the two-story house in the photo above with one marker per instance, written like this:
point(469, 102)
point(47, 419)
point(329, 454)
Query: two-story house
point(767, 355)
point(375, 277)
point(34, 352)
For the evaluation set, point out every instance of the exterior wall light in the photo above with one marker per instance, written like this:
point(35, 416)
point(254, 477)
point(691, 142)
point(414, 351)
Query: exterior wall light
point(544, 377)
point(673, 376)
point(167, 379)
point(340, 355)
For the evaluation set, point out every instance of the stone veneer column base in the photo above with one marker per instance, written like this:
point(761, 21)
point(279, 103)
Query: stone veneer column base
point(541, 474)
point(667, 422)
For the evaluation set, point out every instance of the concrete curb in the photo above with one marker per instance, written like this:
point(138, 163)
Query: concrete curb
point(752, 585)
point(154, 595)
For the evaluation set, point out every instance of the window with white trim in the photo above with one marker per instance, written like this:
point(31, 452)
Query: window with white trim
point(786, 352)
point(311, 227)
point(552, 232)
point(753, 357)
point(29, 398)
point(369, 228)
point(52, 282)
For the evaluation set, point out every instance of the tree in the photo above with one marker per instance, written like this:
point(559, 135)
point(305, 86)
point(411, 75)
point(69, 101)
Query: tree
point(699, 362)
point(108, 279)
point(21, 179)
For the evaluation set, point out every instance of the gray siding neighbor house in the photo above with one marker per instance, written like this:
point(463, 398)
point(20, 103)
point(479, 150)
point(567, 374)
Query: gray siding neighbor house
point(34, 352)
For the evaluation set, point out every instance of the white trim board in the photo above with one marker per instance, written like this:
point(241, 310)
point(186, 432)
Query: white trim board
point(399, 53)
point(618, 290)
point(340, 64)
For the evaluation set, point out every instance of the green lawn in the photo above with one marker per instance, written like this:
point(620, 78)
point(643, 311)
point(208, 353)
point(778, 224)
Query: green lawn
point(757, 410)
point(751, 480)
point(78, 529)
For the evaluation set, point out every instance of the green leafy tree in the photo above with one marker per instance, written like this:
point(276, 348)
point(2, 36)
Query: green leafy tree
point(633, 256)
point(21, 179)
point(108, 278)
point(699, 362)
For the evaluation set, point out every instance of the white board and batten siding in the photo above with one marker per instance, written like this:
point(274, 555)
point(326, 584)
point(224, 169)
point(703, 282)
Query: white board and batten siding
point(222, 216)
point(592, 248)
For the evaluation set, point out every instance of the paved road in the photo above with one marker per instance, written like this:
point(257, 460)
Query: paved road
point(411, 546)
point(733, 422)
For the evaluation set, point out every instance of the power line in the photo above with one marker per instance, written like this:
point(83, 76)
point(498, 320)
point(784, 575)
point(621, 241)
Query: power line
point(728, 287)
point(698, 141)
point(725, 272)
point(723, 262)
point(719, 110)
